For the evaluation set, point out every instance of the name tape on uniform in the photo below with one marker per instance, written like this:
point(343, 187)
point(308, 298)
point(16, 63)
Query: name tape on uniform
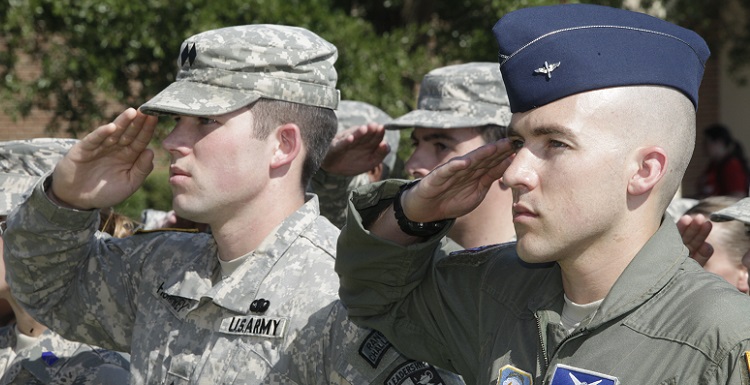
point(259, 326)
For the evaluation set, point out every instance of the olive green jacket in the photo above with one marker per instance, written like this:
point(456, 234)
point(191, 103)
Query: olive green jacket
point(665, 321)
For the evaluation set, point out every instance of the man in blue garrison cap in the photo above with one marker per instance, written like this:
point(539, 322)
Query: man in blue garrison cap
point(598, 288)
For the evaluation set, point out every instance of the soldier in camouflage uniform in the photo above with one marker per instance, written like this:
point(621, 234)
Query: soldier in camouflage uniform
point(362, 152)
point(459, 108)
point(253, 107)
point(29, 352)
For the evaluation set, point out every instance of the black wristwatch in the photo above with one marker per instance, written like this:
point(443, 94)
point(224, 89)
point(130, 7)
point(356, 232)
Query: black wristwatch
point(417, 229)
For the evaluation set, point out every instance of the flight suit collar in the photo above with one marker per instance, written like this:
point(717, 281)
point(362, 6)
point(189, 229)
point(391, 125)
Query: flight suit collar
point(651, 269)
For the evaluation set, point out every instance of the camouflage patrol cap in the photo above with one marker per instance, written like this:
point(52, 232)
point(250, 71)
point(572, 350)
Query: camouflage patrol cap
point(459, 96)
point(22, 162)
point(351, 113)
point(225, 69)
point(739, 211)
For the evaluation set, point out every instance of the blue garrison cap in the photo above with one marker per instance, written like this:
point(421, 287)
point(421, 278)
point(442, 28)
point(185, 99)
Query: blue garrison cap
point(550, 52)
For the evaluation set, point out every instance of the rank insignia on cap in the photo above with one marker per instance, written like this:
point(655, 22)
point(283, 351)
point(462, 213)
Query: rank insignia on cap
point(510, 375)
point(568, 375)
point(547, 69)
point(188, 55)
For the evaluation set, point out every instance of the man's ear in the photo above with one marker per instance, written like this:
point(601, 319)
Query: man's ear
point(288, 145)
point(652, 167)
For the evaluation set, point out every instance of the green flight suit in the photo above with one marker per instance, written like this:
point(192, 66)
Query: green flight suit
point(665, 320)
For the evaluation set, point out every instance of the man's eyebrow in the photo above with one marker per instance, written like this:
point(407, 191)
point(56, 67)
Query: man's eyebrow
point(435, 136)
point(556, 130)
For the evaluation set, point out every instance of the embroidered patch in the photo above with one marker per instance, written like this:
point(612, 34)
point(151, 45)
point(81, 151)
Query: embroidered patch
point(568, 375)
point(510, 375)
point(260, 326)
point(178, 305)
point(374, 347)
point(414, 373)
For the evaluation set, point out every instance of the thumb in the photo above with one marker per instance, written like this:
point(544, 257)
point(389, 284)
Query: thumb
point(143, 165)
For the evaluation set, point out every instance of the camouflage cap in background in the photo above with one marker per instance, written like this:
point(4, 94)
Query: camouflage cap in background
point(225, 69)
point(739, 211)
point(23, 162)
point(459, 96)
point(351, 113)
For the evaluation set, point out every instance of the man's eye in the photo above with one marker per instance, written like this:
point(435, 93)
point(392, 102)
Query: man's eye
point(440, 147)
point(206, 121)
point(556, 144)
point(516, 144)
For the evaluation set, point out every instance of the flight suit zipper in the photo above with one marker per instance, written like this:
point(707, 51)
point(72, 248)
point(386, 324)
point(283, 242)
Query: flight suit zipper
point(545, 360)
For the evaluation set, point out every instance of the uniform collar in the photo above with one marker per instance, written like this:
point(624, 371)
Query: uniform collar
point(237, 291)
point(651, 269)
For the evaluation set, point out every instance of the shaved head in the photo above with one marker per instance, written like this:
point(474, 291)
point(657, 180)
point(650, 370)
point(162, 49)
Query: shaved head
point(652, 116)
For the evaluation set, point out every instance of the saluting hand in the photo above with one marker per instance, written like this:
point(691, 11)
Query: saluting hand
point(694, 231)
point(356, 150)
point(108, 165)
point(458, 186)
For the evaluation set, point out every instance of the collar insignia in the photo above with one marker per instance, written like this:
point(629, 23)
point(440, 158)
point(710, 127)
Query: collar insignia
point(547, 69)
point(568, 375)
point(510, 375)
point(188, 55)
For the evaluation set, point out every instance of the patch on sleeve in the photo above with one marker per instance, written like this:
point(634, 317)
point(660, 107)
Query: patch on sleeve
point(374, 347)
point(414, 373)
point(568, 375)
point(510, 375)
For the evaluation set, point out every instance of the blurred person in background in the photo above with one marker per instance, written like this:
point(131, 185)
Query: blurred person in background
point(729, 241)
point(362, 152)
point(727, 172)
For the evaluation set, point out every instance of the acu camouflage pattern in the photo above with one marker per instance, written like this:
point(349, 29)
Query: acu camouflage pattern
point(225, 69)
point(338, 352)
point(54, 360)
point(162, 297)
point(333, 190)
point(459, 96)
point(739, 211)
point(22, 162)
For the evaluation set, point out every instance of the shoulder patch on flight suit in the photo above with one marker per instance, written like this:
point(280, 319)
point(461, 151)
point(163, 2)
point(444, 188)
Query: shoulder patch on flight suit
point(254, 325)
point(569, 375)
point(414, 373)
point(510, 375)
point(374, 347)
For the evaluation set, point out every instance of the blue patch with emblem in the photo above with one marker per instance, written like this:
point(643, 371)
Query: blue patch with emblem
point(568, 375)
point(510, 375)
